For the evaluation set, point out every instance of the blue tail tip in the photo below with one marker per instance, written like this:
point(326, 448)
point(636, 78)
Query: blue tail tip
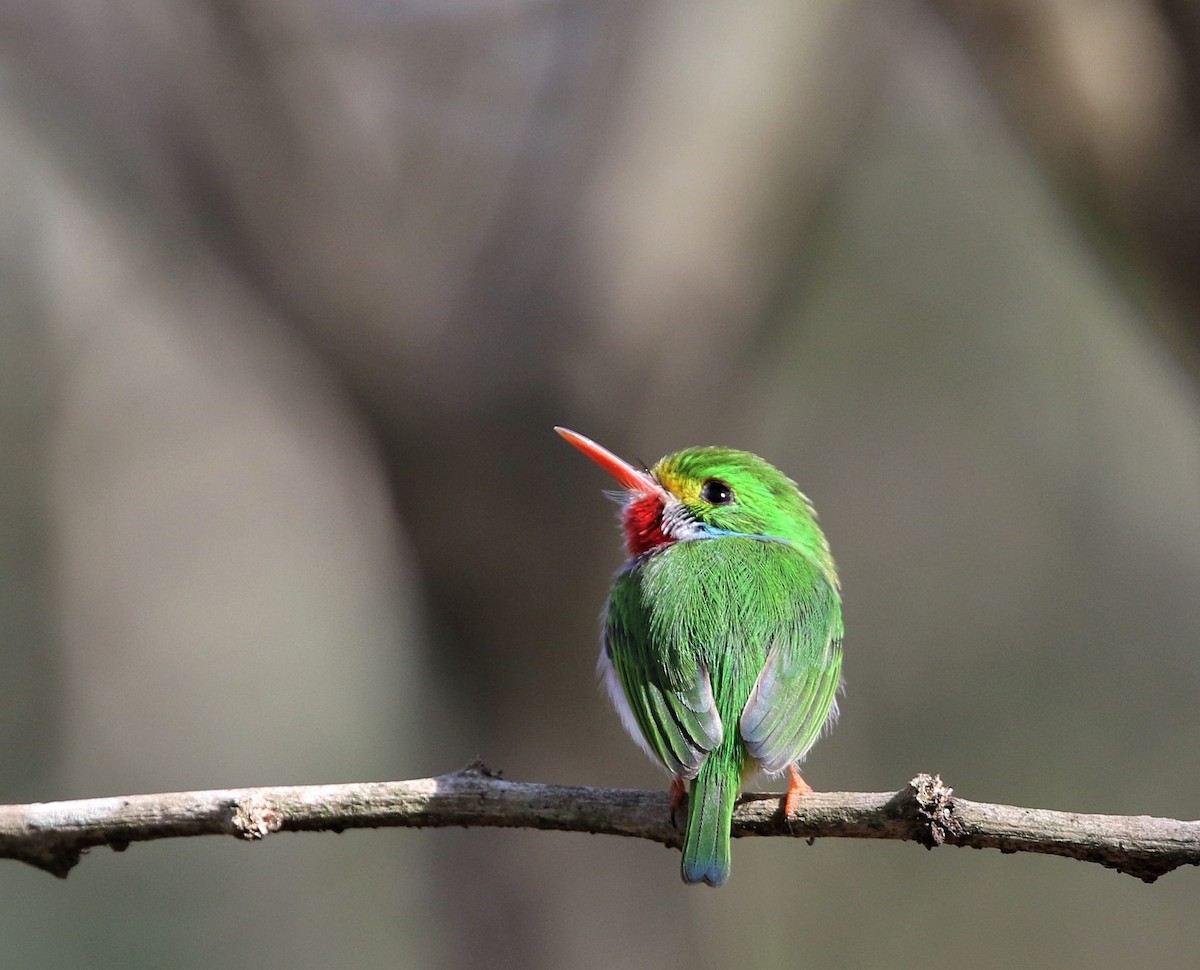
point(712, 873)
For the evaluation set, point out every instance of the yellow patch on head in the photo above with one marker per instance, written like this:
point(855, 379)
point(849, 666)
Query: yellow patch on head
point(686, 489)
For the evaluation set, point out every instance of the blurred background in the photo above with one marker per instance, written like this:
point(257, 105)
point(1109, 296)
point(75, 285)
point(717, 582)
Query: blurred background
point(292, 292)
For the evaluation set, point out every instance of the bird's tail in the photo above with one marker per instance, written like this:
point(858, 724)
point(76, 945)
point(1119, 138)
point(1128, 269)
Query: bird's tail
point(710, 814)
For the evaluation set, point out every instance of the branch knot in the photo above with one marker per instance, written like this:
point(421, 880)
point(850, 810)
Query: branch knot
point(253, 819)
point(935, 810)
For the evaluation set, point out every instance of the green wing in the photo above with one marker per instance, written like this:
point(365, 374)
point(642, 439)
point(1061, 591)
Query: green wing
point(666, 702)
point(795, 694)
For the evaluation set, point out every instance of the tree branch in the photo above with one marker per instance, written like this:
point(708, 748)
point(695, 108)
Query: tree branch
point(53, 836)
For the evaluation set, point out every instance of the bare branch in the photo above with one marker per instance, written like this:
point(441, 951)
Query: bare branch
point(53, 836)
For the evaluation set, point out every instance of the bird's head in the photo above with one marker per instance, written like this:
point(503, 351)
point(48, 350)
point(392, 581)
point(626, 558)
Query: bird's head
point(707, 493)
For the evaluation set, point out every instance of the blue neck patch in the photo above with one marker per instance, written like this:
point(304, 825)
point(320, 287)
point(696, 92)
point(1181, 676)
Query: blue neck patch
point(711, 532)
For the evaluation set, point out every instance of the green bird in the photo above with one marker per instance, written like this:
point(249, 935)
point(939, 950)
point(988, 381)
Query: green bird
point(722, 644)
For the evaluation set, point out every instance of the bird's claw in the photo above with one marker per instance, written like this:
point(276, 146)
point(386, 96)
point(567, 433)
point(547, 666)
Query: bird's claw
point(797, 789)
point(678, 793)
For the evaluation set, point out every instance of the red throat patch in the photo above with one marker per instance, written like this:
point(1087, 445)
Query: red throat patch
point(643, 525)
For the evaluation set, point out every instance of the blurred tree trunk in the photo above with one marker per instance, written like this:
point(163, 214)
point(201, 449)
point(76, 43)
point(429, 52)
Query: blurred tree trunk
point(1108, 97)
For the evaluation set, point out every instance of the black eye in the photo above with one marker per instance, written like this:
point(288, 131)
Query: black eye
point(716, 492)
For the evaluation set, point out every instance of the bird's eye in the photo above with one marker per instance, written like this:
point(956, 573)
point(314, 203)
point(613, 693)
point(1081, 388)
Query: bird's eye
point(716, 492)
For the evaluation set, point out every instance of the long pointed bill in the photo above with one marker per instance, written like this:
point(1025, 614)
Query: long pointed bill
point(632, 478)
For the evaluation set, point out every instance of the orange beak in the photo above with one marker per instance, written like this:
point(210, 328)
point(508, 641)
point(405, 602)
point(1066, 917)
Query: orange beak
point(631, 478)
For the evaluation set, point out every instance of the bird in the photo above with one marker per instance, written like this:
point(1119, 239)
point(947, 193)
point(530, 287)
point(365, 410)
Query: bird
point(722, 634)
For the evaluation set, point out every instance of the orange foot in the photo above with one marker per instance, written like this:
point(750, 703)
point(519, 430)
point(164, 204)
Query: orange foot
point(678, 792)
point(797, 789)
